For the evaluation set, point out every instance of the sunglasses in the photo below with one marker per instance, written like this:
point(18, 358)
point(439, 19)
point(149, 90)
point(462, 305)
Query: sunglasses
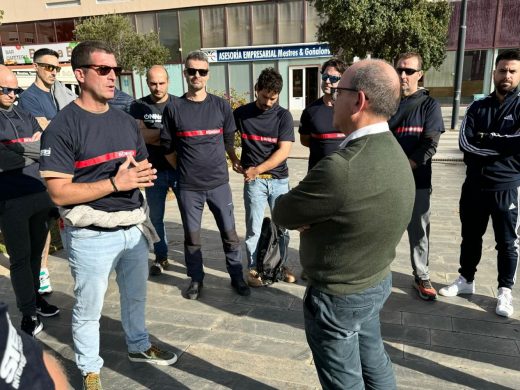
point(7, 90)
point(332, 79)
point(49, 67)
point(407, 71)
point(334, 92)
point(193, 72)
point(103, 70)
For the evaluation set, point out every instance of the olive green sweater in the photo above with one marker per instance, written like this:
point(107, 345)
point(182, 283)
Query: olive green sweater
point(358, 202)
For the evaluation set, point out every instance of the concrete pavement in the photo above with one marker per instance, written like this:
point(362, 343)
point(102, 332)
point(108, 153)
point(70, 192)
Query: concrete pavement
point(225, 341)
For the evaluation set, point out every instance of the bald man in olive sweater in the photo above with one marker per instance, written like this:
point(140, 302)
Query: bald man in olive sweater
point(352, 209)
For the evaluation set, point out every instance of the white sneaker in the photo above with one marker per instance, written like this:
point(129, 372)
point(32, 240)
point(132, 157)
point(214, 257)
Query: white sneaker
point(45, 282)
point(504, 302)
point(459, 286)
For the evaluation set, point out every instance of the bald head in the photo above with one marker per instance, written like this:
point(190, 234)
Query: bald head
point(380, 83)
point(157, 80)
point(7, 80)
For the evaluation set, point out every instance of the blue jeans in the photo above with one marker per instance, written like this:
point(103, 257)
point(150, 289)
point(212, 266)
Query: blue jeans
point(257, 194)
point(344, 335)
point(156, 198)
point(92, 257)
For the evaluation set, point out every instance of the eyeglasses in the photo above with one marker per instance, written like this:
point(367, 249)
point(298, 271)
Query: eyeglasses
point(407, 71)
point(334, 91)
point(332, 79)
point(7, 90)
point(103, 70)
point(193, 72)
point(49, 67)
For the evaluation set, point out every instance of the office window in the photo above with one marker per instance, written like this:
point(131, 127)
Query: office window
point(290, 21)
point(311, 24)
point(213, 27)
point(65, 30)
point(45, 31)
point(240, 78)
point(169, 34)
point(264, 22)
point(190, 31)
point(238, 25)
point(8, 34)
point(145, 23)
point(27, 33)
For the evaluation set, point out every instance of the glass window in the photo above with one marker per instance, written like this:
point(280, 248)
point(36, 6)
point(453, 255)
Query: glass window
point(45, 32)
point(311, 24)
point(213, 27)
point(239, 78)
point(8, 34)
point(238, 26)
point(264, 19)
point(27, 33)
point(190, 31)
point(290, 21)
point(145, 23)
point(64, 30)
point(217, 79)
point(169, 34)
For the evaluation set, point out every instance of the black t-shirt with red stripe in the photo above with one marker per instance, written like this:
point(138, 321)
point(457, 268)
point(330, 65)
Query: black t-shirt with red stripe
point(198, 132)
point(316, 121)
point(260, 132)
point(16, 129)
point(91, 147)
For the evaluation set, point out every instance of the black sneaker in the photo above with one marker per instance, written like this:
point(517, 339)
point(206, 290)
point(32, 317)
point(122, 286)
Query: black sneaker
point(45, 309)
point(241, 287)
point(158, 266)
point(154, 355)
point(193, 291)
point(31, 325)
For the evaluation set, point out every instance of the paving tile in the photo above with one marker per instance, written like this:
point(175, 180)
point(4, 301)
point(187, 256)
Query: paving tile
point(474, 342)
point(427, 321)
point(498, 328)
point(402, 333)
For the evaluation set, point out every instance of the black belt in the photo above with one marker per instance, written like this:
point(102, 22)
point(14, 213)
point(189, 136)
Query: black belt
point(104, 229)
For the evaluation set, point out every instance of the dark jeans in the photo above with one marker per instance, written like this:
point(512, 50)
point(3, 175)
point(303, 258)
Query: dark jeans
point(156, 198)
point(344, 335)
point(25, 223)
point(476, 206)
point(220, 203)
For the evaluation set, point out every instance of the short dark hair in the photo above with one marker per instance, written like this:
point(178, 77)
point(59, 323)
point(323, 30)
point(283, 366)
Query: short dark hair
point(269, 80)
point(196, 55)
point(411, 54)
point(513, 55)
point(336, 63)
point(81, 53)
point(44, 52)
point(383, 93)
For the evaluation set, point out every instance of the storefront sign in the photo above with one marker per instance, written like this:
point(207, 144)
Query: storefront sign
point(19, 54)
point(260, 53)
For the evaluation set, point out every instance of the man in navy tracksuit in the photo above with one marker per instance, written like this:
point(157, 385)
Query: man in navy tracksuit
point(24, 203)
point(490, 140)
point(417, 126)
point(198, 129)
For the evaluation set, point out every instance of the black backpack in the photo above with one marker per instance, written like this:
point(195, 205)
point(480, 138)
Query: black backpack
point(268, 261)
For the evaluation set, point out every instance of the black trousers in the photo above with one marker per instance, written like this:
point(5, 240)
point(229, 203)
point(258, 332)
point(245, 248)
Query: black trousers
point(25, 223)
point(476, 206)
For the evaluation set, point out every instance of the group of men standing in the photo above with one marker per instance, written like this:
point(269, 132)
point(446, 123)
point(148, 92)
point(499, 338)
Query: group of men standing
point(371, 137)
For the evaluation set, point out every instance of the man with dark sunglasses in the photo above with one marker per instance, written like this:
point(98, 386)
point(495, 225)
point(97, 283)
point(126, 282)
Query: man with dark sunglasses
point(417, 126)
point(43, 99)
point(94, 160)
point(24, 204)
point(198, 129)
point(316, 131)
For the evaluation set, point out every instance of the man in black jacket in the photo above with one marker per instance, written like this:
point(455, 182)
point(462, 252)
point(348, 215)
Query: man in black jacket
point(490, 141)
point(417, 126)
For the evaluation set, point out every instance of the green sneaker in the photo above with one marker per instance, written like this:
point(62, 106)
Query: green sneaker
point(91, 381)
point(153, 355)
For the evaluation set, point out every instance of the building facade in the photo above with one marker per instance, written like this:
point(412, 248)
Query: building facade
point(242, 38)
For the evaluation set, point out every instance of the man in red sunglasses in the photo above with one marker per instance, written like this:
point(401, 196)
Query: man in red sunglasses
point(418, 125)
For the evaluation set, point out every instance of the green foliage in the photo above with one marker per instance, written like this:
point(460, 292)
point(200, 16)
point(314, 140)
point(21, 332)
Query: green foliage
point(133, 51)
point(235, 100)
point(385, 29)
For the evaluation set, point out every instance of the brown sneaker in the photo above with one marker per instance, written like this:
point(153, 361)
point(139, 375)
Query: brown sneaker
point(254, 279)
point(91, 381)
point(288, 276)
